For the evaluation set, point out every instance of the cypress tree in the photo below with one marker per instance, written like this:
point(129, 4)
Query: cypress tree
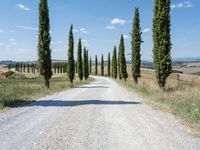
point(54, 68)
point(44, 51)
point(79, 61)
point(96, 65)
point(162, 44)
point(102, 65)
point(123, 59)
point(76, 68)
point(119, 64)
point(114, 63)
point(32, 68)
point(71, 67)
point(136, 43)
point(24, 67)
point(9, 67)
point(28, 68)
point(61, 67)
point(58, 68)
point(21, 67)
point(90, 65)
point(108, 65)
point(85, 63)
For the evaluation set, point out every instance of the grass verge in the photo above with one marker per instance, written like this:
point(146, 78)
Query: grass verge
point(181, 98)
point(17, 91)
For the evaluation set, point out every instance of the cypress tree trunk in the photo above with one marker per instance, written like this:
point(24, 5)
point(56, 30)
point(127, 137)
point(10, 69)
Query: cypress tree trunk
point(102, 66)
point(108, 69)
point(96, 65)
point(124, 73)
point(114, 63)
point(162, 44)
point(136, 44)
point(70, 68)
point(44, 52)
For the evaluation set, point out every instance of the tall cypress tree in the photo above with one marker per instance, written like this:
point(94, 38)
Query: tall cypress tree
point(90, 65)
point(79, 61)
point(136, 43)
point(71, 63)
point(96, 65)
point(87, 64)
point(58, 67)
point(108, 65)
point(124, 73)
point(162, 43)
point(61, 67)
point(119, 64)
point(114, 63)
point(28, 68)
point(84, 62)
point(44, 51)
point(76, 68)
point(24, 67)
point(102, 65)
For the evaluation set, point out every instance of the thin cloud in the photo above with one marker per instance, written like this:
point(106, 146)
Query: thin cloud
point(60, 42)
point(27, 28)
point(145, 30)
point(118, 21)
point(126, 37)
point(85, 43)
point(75, 30)
point(24, 50)
point(11, 40)
point(82, 30)
point(23, 7)
point(110, 27)
point(1, 44)
point(1, 31)
point(186, 4)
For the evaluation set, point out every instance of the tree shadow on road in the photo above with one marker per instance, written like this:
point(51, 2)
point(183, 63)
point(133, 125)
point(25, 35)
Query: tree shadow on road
point(91, 87)
point(63, 103)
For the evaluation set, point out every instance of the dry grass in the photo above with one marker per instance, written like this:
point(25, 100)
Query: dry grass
point(14, 91)
point(181, 98)
point(3, 68)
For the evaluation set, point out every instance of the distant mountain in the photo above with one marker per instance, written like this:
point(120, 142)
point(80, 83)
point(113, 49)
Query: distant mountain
point(6, 62)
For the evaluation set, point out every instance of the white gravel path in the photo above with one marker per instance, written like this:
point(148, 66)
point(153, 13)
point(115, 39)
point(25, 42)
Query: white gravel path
point(98, 116)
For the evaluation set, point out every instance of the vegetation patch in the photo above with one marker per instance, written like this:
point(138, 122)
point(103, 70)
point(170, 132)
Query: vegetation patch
point(181, 98)
point(17, 91)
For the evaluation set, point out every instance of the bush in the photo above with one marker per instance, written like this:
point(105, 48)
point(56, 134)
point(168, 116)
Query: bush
point(8, 74)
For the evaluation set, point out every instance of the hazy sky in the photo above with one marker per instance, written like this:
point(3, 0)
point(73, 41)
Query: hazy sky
point(98, 22)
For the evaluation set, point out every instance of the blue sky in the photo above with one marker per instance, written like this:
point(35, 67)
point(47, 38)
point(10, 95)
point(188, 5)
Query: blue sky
point(98, 22)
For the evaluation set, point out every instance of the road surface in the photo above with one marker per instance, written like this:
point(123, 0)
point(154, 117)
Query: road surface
point(97, 116)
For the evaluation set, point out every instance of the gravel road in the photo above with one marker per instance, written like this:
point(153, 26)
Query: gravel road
point(97, 116)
